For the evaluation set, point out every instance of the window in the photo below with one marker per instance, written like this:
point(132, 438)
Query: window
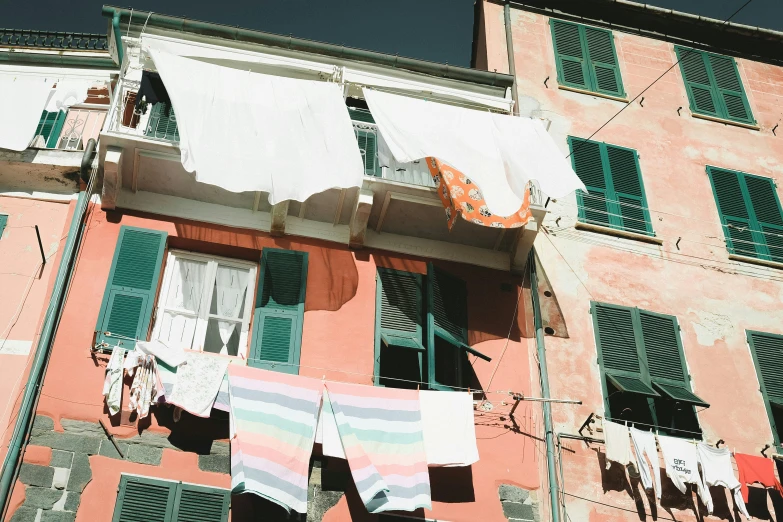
point(49, 128)
point(3, 223)
point(162, 123)
point(410, 325)
point(279, 311)
point(367, 137)
point(714, 86)
point(615, 192)
point(156, 500)
point(204, 303)
point(645, 378)
point(750, 213)
point(586, 58)
point(767, 349)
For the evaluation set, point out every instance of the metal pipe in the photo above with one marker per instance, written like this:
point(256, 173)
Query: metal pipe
point(115, 28)
point(512, 69)
point(40, 245)
point(544, 377)
point(89, 153)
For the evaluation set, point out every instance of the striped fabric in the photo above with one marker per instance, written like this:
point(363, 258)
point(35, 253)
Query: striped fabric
point(381, 434)
point(273, 422)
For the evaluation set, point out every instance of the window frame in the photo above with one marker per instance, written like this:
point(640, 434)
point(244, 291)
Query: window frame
point(777, 431)
point(203, 317)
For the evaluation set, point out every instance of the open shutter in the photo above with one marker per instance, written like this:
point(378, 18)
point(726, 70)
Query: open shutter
point(734, 213)
point(767, 350)
point(279, 313)
point(142, 499)
point(665, 358)
point(617, 349)
point(362, 115)
point(3, 223)
point(604, 68)
point(594, 207)
point(626, 177)
point(57, 128)
point(734, 103)
point(400, 299)
point(701, 93)
point(368, 147)
point(129, 297)
point(570, 54)
point(767, 212)
point(195, 503)
point(49, 127)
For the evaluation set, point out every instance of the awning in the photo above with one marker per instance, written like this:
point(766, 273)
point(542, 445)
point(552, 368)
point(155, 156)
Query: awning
point(499, 153)
point(23, 98)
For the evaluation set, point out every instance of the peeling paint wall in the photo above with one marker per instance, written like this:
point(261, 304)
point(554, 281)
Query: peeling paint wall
point(714, 299)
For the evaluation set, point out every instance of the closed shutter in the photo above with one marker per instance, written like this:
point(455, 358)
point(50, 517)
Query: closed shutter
point(368, 147)
point(162, 123)
point(626, 178)
point(570, 54)
point(3, 223)
point(767, 350)
point(767, 212)
point(586, 159)
point(729, 87)
point(618, 349)
point(200, 504)
point(664, 355)
point(400, 308)
point(142, 499)
point(49, 126)
point(279, 313)
point(129, 297)
point(603, 62)
point(734, 212)
point(701, 94)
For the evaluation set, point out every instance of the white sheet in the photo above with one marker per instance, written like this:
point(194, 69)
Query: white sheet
point(67, 93)
point(499, 153)
point(22, 101)
point(246, 131)
point(449, 428)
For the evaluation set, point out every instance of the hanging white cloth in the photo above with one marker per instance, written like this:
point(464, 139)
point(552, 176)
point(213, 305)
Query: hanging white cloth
point(449, 428)
point(230, 289)
point(179, 318)
point(170, 355)
point(682, 465)
point(716, 470)
point(499, 153)
point(245, 131)
point(112, 385)
point(67, 93)
point(22, 101)
point(644, 444)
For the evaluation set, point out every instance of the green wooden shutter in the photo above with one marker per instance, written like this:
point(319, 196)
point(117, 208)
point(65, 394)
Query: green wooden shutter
point(130, 292)
point(604, 68)
point(768, 215)
point(195, 503)
point(587, 162)
point(626, 179)
point(279, 312)
point(572, 69)
point(362, 115)
point(733, 211)
point(701, 93)
point(665, 357)
point(162, 123)
point(618, 349)
point(49, 126)
point(57, 128)
point(368, 146)
point(143, 499)
point(731, 95)
point(767, 350)
point(3, 223)
point(400, 305)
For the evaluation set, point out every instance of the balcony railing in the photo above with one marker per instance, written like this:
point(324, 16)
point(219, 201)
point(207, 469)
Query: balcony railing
point(68, 130)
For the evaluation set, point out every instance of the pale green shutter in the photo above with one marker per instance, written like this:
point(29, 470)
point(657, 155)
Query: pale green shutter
point(604, 68)
point(768, 216)
point(701, 93)
point(129, 298)
point(279, 312)
point(628, 189)
point(767, 350)
point(400, 318)
point(731, 95)
point(572, 69)
point(143, 499)
point(726, 186)
point(195, 503)
point(49, 126)
point(586, 159)
point(368, 147)
point(3, 223)
point(162, 123)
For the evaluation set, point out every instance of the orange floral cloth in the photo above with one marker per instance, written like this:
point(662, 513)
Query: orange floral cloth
point(460, 196)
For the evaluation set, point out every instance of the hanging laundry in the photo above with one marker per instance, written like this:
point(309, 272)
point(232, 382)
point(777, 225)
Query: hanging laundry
point(618, 444)
point(23, 98)
point(152, 91)
point(222, 401)
point(169, 354)
point(146, 387)
point(448, 428)
point(460, 196)
point(168, 377)
point(755, 469)
point(381, 433)
point(112, 385)
point(644, 444)
point(66, 93)
point(327, 434)
point(273, 423)
point(716, 470)
point(682, 464)
point(198, 383)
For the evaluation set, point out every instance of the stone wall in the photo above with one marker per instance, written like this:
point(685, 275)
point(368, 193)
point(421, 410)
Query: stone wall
point(519, 505)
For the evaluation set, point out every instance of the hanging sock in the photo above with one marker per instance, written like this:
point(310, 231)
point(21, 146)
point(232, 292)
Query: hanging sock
point(716, 470)
point(682, 465)
point(756, 469)
point(381, 434)
point(618, 445)
point(112, 385)
point(272, 425)
point(644, 444)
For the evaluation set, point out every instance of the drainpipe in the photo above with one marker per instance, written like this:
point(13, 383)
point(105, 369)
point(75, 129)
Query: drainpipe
point(512, 69)
point(544, 376)
point(115, 26)
point(24, 419)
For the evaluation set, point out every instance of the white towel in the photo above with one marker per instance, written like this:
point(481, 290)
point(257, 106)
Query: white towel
point(171, 355)
point(198, 383)
point(716, 470)
point(449, 429)
point(644, 444)
point(23, 98)
point(682, 465)
point(618, 444)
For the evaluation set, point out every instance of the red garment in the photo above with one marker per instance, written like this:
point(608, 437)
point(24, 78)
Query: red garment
point(756, 469)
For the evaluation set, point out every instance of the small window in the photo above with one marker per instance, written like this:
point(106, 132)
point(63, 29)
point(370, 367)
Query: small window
point(750, 213)
point(586, 58)
point(767, 350)
point(615, 192)
point(714, 85)
point(645, 378)
point(152, 499)
point(205, 303)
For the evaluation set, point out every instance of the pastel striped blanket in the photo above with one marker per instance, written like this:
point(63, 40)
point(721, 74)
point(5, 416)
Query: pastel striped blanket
point(381, 433)
point(273, 422)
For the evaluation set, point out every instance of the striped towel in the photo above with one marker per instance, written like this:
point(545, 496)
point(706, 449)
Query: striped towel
point(273, 422)
point(222, 400)
point(381, 434)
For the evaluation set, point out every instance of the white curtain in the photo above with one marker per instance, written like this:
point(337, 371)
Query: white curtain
point(184, 295)
point(230, 290)
point(245, 131)
point(22, 99)
point(499, 153)
point(67, 93)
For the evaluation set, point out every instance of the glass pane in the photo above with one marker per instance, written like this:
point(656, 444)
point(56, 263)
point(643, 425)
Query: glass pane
point(177, 329)
point(222, 337)
point(228, 295)
point(187, 283)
